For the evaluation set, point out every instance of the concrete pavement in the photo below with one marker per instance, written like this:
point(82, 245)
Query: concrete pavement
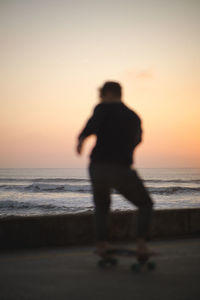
point(71, 273)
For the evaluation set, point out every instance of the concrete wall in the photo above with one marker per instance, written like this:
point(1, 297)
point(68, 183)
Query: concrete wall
point(77, 229)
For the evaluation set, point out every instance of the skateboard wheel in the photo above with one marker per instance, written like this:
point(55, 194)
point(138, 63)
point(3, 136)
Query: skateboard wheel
point(113, 261)
point(135, 268)
point(151, 265)
point(101, 263)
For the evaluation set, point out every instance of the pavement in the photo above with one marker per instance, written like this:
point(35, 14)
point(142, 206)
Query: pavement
point(71, 273)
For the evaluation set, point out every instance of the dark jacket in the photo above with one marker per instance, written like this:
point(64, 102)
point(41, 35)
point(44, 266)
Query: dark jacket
point(118, 131)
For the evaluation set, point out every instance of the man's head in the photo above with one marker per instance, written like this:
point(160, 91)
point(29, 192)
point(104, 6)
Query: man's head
point(110, 92)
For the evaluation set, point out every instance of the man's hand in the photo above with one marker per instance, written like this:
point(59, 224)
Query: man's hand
point(79, 146)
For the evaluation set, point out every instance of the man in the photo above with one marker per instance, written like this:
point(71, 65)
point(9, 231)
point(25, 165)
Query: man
point(118, 132)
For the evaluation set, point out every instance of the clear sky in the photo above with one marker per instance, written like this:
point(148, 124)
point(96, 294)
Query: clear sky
point(55, 54)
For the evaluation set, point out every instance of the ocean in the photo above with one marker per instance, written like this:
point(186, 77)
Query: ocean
point(26, 192)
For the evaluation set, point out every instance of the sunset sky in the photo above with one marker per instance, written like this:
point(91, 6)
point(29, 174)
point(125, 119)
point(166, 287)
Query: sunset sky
point(55, 55)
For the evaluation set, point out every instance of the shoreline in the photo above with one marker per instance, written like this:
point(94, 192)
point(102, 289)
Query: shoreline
point(78, 229)
point(90, 211)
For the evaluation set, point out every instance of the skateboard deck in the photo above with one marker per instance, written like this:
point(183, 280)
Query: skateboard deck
point(109, 259)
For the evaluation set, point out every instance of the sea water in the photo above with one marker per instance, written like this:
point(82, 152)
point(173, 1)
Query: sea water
point(58, 191)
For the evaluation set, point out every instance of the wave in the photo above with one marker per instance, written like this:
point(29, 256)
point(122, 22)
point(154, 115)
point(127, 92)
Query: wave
point(173, 190)
point(172, 181)
point(57, 179)
point(24, 205)
point(43, 187)
point(53, 188)
point(9, 204)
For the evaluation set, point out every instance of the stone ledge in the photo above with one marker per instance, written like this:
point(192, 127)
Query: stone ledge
point(78, 229)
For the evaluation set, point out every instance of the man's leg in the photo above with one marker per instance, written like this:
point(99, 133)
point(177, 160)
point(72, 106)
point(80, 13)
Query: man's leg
point(102, 204)
point(128, 183)
point(101, 198)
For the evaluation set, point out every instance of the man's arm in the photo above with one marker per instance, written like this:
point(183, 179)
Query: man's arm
point(91, 127)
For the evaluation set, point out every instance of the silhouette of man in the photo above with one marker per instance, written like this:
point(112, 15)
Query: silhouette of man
point(118, 132)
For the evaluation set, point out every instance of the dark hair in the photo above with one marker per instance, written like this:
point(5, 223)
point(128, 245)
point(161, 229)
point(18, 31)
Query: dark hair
point(111, 86)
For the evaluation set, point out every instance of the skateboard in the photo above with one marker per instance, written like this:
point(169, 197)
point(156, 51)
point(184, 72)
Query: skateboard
point(109, 259)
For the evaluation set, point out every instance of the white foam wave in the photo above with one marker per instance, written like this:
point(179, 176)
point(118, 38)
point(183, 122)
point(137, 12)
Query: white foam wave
point(21, 205)
point(86, 188)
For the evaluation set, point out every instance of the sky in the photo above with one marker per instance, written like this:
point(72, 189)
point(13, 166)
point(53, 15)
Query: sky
point(56, 54)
